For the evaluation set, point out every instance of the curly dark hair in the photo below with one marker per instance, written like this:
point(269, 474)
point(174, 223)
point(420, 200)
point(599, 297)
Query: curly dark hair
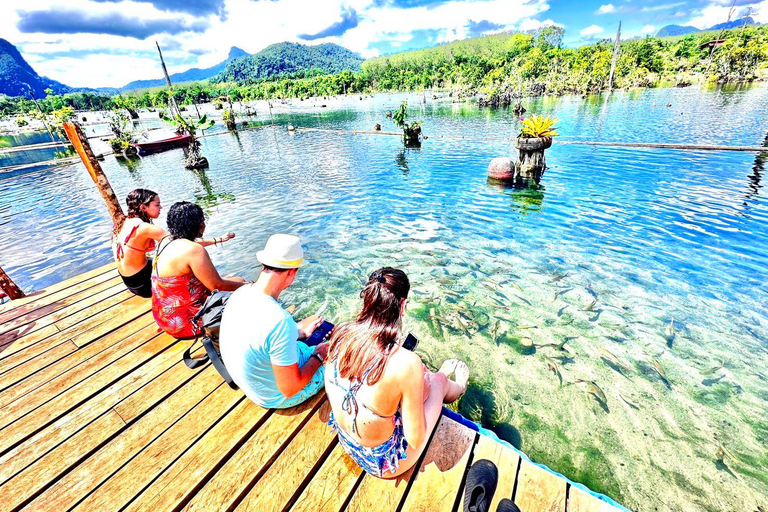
point(135, 200)
point(185, 220)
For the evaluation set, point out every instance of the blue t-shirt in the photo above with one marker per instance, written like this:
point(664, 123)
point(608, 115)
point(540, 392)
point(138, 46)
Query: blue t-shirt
point(256, 332)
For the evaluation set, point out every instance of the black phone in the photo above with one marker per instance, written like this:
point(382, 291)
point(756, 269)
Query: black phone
point(410, 342)
point(319, 334)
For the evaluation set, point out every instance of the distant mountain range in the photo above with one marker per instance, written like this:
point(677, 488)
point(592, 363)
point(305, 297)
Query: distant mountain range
point(190, 75)
point(682, 30)
point(17, 77)
point(291, 59)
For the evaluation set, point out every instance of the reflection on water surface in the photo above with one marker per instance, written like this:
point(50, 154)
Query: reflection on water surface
point(649, 264)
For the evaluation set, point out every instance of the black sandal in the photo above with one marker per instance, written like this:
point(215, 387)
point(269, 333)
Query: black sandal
point(481, 485)
point(507, 505)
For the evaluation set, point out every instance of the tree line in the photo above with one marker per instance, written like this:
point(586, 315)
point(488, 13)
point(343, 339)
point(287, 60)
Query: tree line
point(511, 63)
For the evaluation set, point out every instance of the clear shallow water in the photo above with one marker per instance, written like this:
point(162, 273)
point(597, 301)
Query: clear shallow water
point(652, 236)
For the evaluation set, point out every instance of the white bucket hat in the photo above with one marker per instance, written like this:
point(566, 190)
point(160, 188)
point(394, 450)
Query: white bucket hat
point(282, 251)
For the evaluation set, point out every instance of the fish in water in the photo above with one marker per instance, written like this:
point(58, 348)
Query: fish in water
point(558, 346)
point(560, 292)
point(518, 287)
point(526, 326)
point(629, 402)
point(495, 332)
point(589, 306)
point(609, 356)
point(594, 389)
point(559, 278)
point(562, 310)
point(670, 330)
point(659, 369)
point(591, 291)
point(523, 299)
point(553, 366)
point(711, 371)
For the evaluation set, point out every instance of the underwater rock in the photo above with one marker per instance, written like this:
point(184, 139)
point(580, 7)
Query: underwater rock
point(377, 127)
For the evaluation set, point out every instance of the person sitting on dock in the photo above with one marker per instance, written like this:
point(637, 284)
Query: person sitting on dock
point(259, 340)
point(385, 402)
point(135, 235)
point(185, 276)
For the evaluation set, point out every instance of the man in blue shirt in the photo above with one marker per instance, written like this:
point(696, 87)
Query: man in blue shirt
point(259, 340)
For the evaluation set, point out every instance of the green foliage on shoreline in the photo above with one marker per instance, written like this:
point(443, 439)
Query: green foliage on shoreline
point(510, 64)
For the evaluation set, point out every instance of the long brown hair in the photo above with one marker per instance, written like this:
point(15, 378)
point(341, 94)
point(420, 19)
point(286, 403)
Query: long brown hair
point(367, 343)
point(135, 200)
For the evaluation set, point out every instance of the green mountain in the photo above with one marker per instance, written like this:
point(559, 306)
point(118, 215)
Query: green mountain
point(17, 77)
point(190, 75)
point(290, 59)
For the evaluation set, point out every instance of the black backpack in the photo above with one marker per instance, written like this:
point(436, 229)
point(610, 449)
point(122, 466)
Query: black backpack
point(209, 317)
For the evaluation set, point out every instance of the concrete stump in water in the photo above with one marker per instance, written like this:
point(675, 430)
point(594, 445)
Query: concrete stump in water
point(502, 168)
point(530, 161)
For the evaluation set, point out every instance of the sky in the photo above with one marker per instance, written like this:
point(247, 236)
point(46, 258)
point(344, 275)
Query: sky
point(108, 43)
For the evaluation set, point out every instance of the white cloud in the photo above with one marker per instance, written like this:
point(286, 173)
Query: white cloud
point(714, 14)
point(648, 29)
point(662, 7)
point(606, 9)
point(532, 24)
point(592, 30)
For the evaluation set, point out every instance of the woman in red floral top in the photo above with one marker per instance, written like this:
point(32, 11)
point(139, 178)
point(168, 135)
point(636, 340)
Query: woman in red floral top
point(183, 275)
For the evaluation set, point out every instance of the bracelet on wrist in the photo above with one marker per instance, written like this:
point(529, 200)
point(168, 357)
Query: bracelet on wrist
point(317, 356)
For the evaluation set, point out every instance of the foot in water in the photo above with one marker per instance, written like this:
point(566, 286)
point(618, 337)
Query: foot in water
point(458, 386)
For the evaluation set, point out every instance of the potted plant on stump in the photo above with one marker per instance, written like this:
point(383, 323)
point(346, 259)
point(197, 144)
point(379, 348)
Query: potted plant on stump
point(535, 136)
point(194, 159)
point(412, 130)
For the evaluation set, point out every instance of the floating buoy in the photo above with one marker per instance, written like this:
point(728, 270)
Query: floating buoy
point(501, 168)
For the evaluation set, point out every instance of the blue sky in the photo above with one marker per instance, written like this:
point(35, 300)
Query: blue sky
point(111, 42)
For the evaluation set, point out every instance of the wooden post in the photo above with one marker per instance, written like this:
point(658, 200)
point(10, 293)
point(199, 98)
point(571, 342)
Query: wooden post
point(83, 148)
point(613, 60)
point(167, 79)
point(9, 287)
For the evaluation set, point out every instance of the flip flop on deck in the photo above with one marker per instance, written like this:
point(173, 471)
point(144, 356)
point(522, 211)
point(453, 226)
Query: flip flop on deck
point(507, 505)
point(481, 484)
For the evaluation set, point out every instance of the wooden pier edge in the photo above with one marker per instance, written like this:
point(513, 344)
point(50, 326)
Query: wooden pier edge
point(99, 412)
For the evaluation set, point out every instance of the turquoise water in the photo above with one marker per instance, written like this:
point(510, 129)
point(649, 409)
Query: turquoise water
point(652, 237)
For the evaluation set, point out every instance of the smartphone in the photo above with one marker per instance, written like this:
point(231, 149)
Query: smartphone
point(318, 335)
point(410, 342)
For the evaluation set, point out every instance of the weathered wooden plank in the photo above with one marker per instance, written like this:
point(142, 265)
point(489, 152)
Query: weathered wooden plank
point(46, 359)
point(101, 322)
point(90, 384)
point(142, 380)
point(182, 479)
point(47, 315)
point(506, 460)
point(142, 469)
point(538, 490)
point(41, 297)
point(276, 489)
point(24, 486)
point(580, 501)
point(439, 479)
point(32, 308)
point(104, 465)
point(231, 482)
point(331, 485)
point(380, 494)
point(26, 396)
point(24, 378)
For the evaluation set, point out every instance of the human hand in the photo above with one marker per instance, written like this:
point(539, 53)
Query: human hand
point(308, 326)
point(427, 382)
point(229, 236)
point(321, 349)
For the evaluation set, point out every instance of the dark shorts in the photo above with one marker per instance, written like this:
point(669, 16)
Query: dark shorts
point(140, 283)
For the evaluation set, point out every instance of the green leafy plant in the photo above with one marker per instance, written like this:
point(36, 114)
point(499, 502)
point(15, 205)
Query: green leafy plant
point(538, 126)
point(20, 121)
point(412, 130)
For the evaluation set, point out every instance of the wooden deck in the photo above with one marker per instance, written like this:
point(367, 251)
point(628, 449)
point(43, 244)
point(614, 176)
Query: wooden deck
point(98, 412)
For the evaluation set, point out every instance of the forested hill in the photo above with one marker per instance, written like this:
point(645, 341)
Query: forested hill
point(290, 59)
point(16, 74)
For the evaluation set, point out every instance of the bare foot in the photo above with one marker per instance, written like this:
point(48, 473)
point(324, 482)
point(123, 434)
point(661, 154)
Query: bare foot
point(448, 367)
point(462, 374)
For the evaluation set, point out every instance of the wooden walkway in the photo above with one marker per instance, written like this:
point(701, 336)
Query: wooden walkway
point(98, 413)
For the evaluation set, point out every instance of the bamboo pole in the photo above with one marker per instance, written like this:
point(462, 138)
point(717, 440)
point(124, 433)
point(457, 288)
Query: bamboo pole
point(83, 148)
point(613, 59)
point(167, 79)
point(9, 287)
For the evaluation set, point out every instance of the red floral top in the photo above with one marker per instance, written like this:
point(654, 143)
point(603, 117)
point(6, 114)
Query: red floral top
point(175, 301)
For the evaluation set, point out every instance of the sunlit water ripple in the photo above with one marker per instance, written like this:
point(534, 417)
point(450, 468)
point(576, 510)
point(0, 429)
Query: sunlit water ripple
point(653, 236)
